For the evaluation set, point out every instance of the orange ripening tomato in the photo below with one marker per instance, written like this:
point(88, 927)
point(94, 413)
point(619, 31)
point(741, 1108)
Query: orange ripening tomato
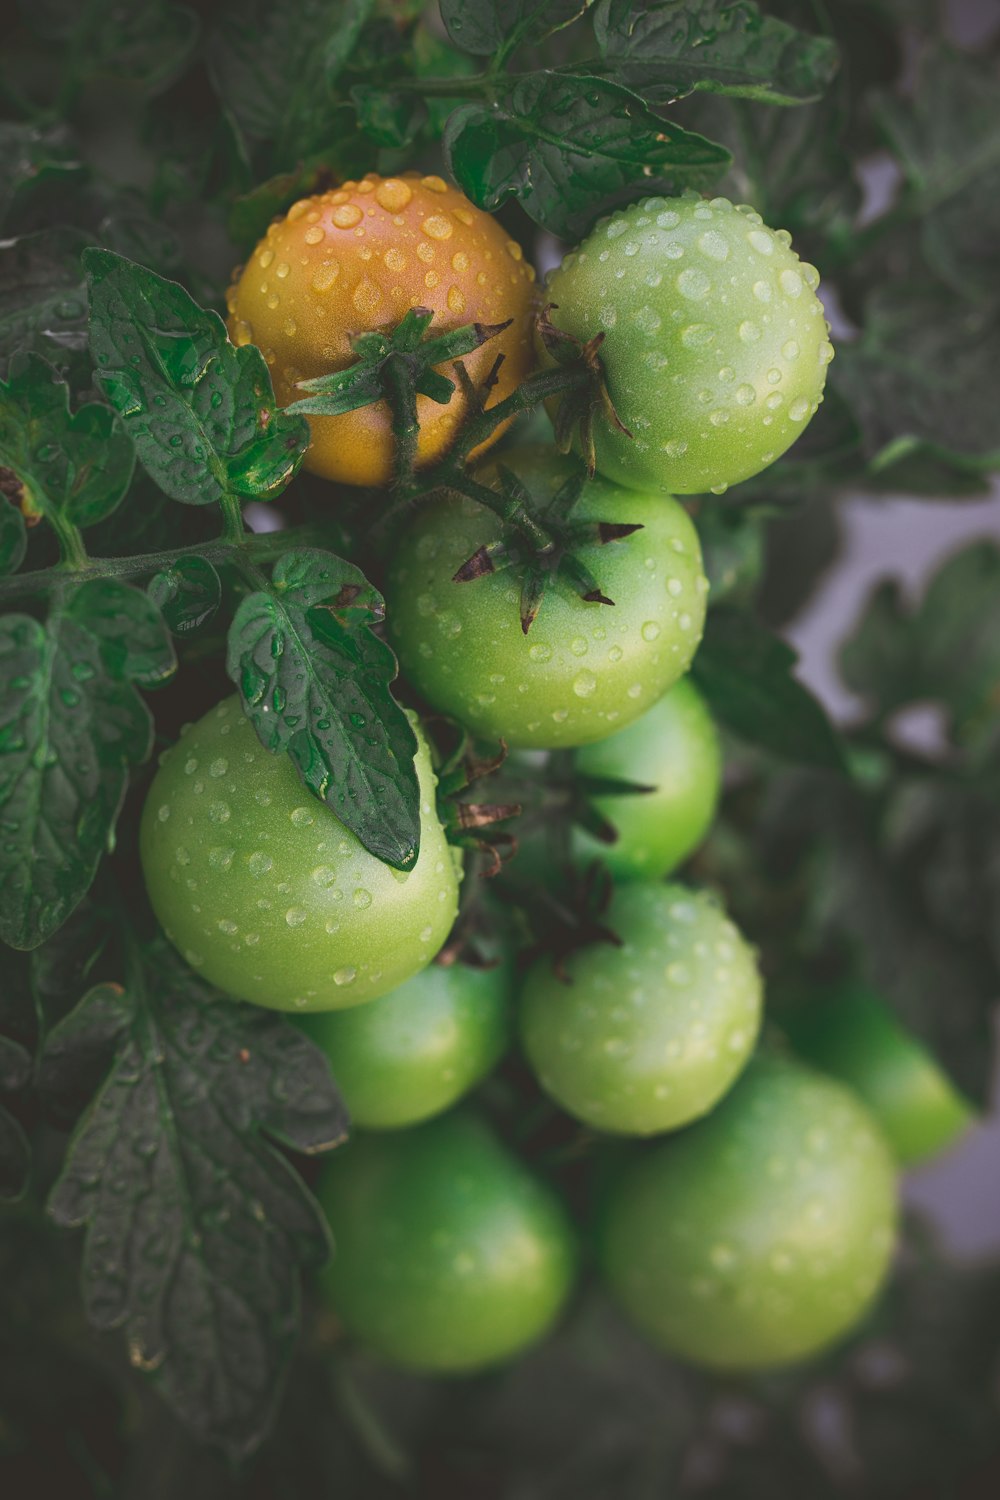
point(358, 258)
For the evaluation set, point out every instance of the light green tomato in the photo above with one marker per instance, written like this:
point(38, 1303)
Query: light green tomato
point(760, 1235)
point(852, 1034)
point(673, 749)
point(647, 1036)
point(266, 893)
point(583, 670)
point(715, 350)
point(416, 1051)
point(450, 1256)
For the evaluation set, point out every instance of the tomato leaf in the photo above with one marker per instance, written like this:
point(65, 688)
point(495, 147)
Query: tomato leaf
point(945, 650)
point(668, 48)
point(201, 412)
point(196, 1225)
point(745, 673)
point(945, 138)
point(13, 537)
point(567, 146)
point(146, 44)
point(188, 593)
point(71, 466)
point(71, 723)
point(314, 680)
point(43, 300)
point(920, 377)
point(485, 27)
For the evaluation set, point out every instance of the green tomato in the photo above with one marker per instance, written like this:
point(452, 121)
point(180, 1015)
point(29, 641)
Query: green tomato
point(647, 1036)
point(264, 890)
point(715, 350)
point(851, 1034)
point(583, 670)
point(762, 1234)
point(673, 749)
point(450, 1255)
point(413, 1053)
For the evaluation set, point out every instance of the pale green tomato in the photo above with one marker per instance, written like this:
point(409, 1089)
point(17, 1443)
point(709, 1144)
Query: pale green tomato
point(416, 1051)
point(647, 1036)
point(450, 1256)
point(852, 1034)
point(715, 350)
point(673, 749)
point(583, 670)
point(763, 1233)
point(266, 893)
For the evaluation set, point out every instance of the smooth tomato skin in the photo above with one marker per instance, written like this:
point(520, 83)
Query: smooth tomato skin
point(583, 670)
point(762, 1234)
point(716, 347)
point(647, 1036)
point(266, 893)
point(450, 1255)
point(851, 1034)
point(674, 749)
point(416, 1051)
point(359, 258)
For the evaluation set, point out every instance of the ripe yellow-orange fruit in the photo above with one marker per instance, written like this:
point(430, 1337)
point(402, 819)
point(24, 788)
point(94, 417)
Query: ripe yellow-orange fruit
point(358, 258)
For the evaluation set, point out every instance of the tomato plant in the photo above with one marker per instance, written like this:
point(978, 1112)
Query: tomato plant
point(851, 1034)
point(267, 894)
point(672, 752)
point(414, 1052)
point(645, 1036)
point(715, 347)
point(451, 1255)
point(584, 669)
point(357, 258)
point(760, 1235)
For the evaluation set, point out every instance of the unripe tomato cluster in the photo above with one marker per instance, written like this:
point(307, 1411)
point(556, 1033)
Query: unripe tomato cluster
point(758, 1224)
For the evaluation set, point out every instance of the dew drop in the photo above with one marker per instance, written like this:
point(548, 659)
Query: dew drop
point(362, 898)
point(219, 812)
point(584, 684)
point(745, 395)
point(346, 975)
point(301, 817)
point(799, 409)
point(650, 630)
point(295, 916)
point(693, 284)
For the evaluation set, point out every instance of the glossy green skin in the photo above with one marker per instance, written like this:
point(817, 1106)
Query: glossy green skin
point(450, 1256)
point(673, 749)
point(853, 1035)
point(715, 350)
point(648, 1036)
point(267, 894)
point(583, 670)
point(416, 1051)
point(761, 1235)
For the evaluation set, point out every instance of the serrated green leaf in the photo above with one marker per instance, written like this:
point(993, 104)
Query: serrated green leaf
point(567, 146)
point(43, 299)
point(71, 466)
point(946, 135)
point(392, 119)
point(745, 673)
point(668, 48)
point(946, 650)
point(71, 724)
point(201, 412)
point(188, 593)
point(921, 378)
point(314, 681)
point(196, 1225)
point(273, 67)
point(485, 27)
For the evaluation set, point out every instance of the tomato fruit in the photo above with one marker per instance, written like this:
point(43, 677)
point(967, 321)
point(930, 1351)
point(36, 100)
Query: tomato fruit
point(716, 347)
point(649, 1035)
point(414, 1052)
point(450, 1255)
point(583, 670)
point(763, 1233)
point(358, 258)
point(674, 750)
point(264, 890)
point(853, 1035)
